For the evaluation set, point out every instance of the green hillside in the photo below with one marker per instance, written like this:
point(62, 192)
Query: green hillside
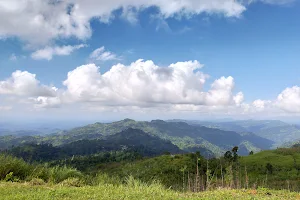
point(130, 140)
point(278, 168)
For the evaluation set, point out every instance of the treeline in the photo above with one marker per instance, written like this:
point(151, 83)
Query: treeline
point(47, 153)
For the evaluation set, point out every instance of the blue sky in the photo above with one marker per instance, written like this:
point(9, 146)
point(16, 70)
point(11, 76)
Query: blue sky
point(256, 44)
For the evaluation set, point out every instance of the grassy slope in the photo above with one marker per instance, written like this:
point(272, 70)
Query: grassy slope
point(16, 191)
point(286, 168)
point(276, 157)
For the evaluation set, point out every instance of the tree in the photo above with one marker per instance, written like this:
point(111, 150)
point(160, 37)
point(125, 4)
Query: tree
point(251, 153)
point(235, 155)
point(269, 168)
point(228, 156)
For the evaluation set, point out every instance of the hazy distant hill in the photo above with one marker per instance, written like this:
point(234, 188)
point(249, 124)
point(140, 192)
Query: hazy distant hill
point(274, 130)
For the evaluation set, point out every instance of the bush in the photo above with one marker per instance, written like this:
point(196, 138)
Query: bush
point(72, 182)
point(36, 181)
point(15, 169)
point(18, 167)
point(59, 174)
point(10, 177)
point(103, 179)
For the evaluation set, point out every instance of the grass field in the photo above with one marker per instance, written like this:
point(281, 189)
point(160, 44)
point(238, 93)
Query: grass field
point(131, 191)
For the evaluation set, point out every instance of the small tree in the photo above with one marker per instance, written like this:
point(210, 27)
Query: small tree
point(269, 168)
point(251, 153)
point(234, 151)
point(228, 156)
point(183, 169)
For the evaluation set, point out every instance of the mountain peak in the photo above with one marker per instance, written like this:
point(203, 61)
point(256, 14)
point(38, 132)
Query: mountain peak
point(127, 120)
point(158, 121)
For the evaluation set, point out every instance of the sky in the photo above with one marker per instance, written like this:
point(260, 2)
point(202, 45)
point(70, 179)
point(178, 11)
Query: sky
point(191, 59)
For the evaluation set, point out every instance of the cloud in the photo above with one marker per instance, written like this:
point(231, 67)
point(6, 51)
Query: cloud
point(39, 22)
point(144, 84)
point(46, 102)
point(48, 52)
point(260, 104)
point(101, 55)
point(238, 98)
point(42, 22)
point(274, 2)
point(23, 83)
point(289, 100)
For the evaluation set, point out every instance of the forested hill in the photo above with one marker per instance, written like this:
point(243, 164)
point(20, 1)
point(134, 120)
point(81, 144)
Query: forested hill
point(189, 138)
point(129, 140)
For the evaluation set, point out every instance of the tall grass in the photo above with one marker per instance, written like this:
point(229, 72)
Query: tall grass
point(18, 169)
point(17, 166)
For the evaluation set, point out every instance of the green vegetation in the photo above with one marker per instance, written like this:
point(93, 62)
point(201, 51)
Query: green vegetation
point(164, 177)
point(130, 141)
point(278, 168)
point(15, 169)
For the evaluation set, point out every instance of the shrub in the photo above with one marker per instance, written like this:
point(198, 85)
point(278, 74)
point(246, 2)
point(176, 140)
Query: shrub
point(72, 182)
point(10, 177)
point(36, 181)
point(18, 167)
point(15, 169)
point(59, 174)
point(103, 179)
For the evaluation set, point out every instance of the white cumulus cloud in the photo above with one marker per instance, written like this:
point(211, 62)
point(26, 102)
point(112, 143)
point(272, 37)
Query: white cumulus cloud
point(46, 102)
point(146, 87)
point(23, 83)
point(238, 98)
point(289, 99)
point(143, 83)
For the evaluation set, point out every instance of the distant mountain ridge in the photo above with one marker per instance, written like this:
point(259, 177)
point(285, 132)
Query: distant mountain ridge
point(275, 130)
point(189, 138)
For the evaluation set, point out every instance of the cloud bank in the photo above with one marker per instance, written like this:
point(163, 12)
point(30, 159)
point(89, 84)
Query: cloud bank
point(142, 86)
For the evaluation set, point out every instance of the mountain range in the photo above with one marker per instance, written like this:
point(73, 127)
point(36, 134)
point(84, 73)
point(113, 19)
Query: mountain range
point(277, 131)
point(188, 137)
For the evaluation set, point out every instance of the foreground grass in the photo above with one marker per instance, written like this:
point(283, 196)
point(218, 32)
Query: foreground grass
point(16, 191)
